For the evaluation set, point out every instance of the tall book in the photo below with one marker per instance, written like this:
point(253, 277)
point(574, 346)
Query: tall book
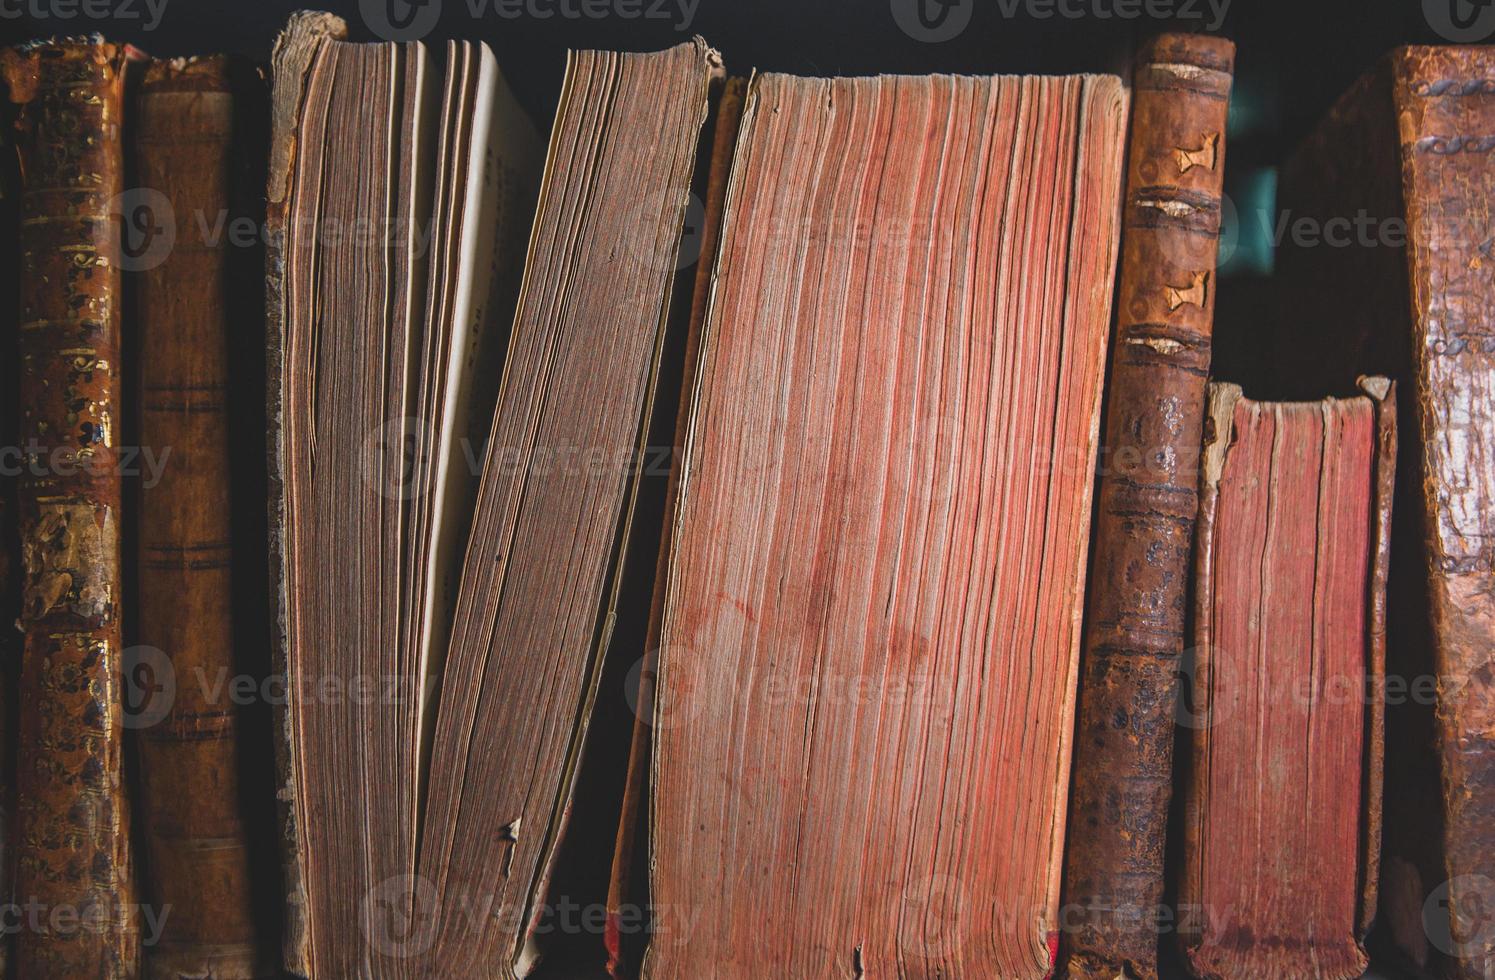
point(562, 477)
point(10, 557)
point(73, 836)
point(464, 752)
point(1283, 800)
point(624, 932)
point(1389, 207)
point(390, 287)
point(871, 633)
point(190, 152)
point(1134, 633)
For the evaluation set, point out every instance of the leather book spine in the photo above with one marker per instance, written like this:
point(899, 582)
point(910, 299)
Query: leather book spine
point(197, 854)
point(1444, 99)
point(1123, 756)
point(295, 50)
point(1216, 441)
point(1383, 392)
point(636, 787)
point(10, 635)
point(73, 838)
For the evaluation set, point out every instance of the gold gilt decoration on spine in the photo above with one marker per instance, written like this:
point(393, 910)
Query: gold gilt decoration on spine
point(1123, 758)
point(73, 830)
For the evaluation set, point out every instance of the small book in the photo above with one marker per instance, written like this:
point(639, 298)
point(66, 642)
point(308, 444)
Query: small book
point(1283, 799)
point(1389, 261)
point(869, 649)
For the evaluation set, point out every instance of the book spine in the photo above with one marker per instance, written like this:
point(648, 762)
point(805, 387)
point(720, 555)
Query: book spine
point(10, 635)
point(636, 787)
point(295, 50)
point(197, 848)
point(1383, 392)
point(1445, 105)
point(1218, 424)
point(1123, 757)
point(73, 838)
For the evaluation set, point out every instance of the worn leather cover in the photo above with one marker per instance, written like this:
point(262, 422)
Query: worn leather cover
point(1217, 442)
point(10, 561)
point(1406, 162)
point(295, 49)
point(73, 835)
point(1123, 760)
point(197, 848)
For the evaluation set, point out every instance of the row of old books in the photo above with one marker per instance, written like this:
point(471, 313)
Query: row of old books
point(909, 676)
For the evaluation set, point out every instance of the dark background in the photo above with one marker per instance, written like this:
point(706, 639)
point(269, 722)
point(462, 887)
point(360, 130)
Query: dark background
point(1294, 58)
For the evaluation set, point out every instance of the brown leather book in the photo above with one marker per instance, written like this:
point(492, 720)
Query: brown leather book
point(10, 557)
point(1282, 825)
point(870, 637)
point(73, 839)
point(188, 150)
point(1387, 213)
point(1160, 360)
point(622, 896)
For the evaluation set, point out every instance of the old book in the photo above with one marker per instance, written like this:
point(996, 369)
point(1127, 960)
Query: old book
point(10, 557)
point(449, 851)
point(871, 634)
point(1387, 211)
point(625, 924)
point(295, 49)
point(390, 289)
point(561, 479)
point(1134, 635)
point(73, 848)
point(189, 149)
point(73, 828)
point(1282, 825)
